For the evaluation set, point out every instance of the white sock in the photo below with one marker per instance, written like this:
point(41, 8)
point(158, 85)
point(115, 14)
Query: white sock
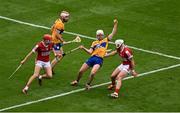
point(115, 93)
point(26, 88)
point(40, 77)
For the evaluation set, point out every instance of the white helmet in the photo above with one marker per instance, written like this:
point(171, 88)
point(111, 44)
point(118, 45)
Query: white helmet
point(64, 14)
point(119, 42)
point(98, 32)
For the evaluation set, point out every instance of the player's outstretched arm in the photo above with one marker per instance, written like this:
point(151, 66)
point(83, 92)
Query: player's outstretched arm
point(133, 72)
point(110, 54)
point(89, 51)
point(29, 55)
point(114, 31)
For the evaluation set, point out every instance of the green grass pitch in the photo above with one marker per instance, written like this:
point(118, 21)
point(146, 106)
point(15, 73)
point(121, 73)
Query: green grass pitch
point(148, 24)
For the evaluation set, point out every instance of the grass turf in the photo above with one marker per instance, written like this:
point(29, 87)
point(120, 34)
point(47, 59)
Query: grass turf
point(147, 24)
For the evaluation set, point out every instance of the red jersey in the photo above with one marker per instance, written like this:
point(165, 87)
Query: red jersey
point(126, 54)
point(43, 51)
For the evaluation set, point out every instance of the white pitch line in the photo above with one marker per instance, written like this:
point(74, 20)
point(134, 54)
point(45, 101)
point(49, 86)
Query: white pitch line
point(88, 37)
point(82, 89)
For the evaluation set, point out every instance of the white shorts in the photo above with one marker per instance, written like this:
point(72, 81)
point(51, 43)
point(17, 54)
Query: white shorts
point(43, 64)
point(124, 68)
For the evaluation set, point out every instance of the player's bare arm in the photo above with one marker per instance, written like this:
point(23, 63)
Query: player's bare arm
point(133, 72)
point(29, 55)
point(114, 31)
point(111, 53)
point(89, 51)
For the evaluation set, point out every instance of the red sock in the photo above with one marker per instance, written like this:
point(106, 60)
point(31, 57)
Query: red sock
point(117, 90)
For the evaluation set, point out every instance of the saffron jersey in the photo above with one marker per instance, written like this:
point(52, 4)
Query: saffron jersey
point(58, 27)
point(100, 47)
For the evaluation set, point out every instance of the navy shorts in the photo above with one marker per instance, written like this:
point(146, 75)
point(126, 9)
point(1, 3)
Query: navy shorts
point(94, 60)
point(57, 46)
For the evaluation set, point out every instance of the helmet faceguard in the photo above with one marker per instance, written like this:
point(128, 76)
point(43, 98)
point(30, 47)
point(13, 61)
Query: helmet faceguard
point(99, 34)
point(64, 15)
point(119, 43)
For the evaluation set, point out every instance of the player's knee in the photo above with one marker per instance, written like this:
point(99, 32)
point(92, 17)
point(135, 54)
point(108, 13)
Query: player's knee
point(119, 78)
point(50, 76)
point(35, 75)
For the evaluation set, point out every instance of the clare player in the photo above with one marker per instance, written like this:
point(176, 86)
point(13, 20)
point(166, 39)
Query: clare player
point(97, 52)
point(57, 37)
